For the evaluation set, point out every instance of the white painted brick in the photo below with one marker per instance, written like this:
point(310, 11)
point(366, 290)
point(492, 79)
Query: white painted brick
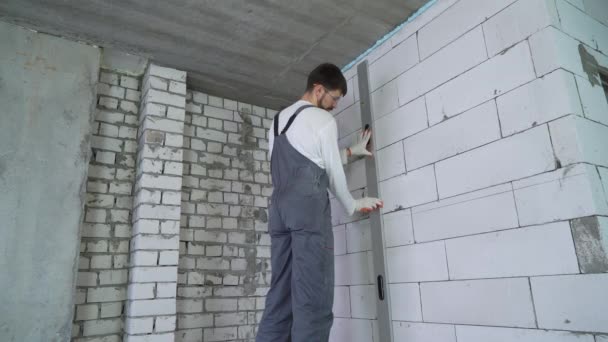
point(219, 305)
point(106, 294)
point(109, 116)
point(216, 101)
point(544, 250)
point(213, 135)
point(109, 78)
point(538, 102)
point(390, 161)
point(188, 306)
point(163, 125)
point(100, 201)
point(558, 302)
point(96, 215)
point(139, 325)
point(153, 274)
point(164, 153)
point(352, 269)
point(401, 123)
point(101, 261)
point(129, 106)
point(577, 139)
point(405, 302)
point(104, 172)
point(528, 153)
point(220, 334)
point(87, 312)
point(165, 323)
point(482, 334)
point(473, 128)
point(398, 229)
point(99, 327)
point(567, 193)
point(151, 307)
point(145, 227)
point(97, 247)
point(404, 263)
point(105, 157)
point(148, 196)
point(168, 258)
point(113, 91)
point(582, 27)
point(111, 310)
point(95, 230)
point(352, 330)
point(499, 302)
point(155, 242)
point(165, 98)
point(407, 190)
point(177, 87)
point(167, 337)
point(199, 97)
point(108, 102)
point(194, 321)
point(363, 301)
point(341, 306)
point(384, 100)
point(460, 18)
point(172, 197)
point(517, 22)
point(227, 319)
point(454, 59)
point(105, 143)
point(395, 62)
point(219, 113)
point(162, 212)
point(488, 80)
point(421, 332)
point(481, 211)
point(172, 74)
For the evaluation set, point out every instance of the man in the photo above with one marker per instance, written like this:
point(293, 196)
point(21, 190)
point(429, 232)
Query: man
point(305, 163)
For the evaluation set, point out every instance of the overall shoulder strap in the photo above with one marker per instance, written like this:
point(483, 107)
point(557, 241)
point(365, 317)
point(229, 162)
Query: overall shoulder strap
point(292, 118)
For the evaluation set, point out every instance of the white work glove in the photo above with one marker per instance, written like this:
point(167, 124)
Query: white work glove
point(368, 204)
point(360, 148)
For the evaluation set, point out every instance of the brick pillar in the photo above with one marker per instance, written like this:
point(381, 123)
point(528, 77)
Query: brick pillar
point(151, 304)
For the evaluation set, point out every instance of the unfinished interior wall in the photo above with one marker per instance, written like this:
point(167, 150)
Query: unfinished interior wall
point(47, 92)
point(491, 129)
point(106, 231)
point(224, 267)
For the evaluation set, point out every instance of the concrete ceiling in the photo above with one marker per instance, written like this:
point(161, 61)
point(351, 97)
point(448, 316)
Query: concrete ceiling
point(255, 51)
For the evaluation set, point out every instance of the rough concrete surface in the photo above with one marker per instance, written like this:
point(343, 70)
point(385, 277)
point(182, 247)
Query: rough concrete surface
point(47, 93)
point(260, 51)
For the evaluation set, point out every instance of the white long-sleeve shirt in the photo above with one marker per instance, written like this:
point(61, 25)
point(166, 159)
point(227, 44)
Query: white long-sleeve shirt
point(314, 134)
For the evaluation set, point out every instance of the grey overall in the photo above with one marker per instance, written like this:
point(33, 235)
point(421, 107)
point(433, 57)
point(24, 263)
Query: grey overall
point(300, 300)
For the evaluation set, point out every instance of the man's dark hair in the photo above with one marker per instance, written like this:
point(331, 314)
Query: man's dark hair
point(329, 76)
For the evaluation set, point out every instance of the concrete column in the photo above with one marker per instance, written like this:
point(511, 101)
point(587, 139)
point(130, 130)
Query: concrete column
point(151, 303)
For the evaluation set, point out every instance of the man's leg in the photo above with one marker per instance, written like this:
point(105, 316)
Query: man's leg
point(276, 321)
point(313, 283)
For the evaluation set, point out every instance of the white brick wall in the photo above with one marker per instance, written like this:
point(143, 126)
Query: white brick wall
point(492, 165)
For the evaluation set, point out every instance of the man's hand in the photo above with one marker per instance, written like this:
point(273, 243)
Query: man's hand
point(360, 148)
point(368, 204)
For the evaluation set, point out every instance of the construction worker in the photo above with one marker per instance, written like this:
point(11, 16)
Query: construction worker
point(305, 163)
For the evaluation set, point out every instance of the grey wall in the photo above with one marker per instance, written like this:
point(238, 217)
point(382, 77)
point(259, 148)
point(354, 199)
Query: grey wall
point(47, 100)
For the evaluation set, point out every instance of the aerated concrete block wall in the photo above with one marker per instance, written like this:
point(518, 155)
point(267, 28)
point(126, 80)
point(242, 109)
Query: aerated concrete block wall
point(491, 130)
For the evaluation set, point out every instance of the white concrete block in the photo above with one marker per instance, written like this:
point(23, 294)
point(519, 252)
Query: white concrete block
point(542, 100)
point(423, 332)
point(358, 237)
point(593, 99)
point(484, 334)
point(339, 240)
point(604, 179)
point(399, 59)
point(576, 303)
point(517, 22)
point(577, 140)
point(349, 120)
point(398, 229)
point(355, 175)
point(390, 161)
point(460, 18)
point(598, 9)
point(363, 301)
point(463, 54)
point(564, 194)
point(408, 190)
point(498, 302)
point(471, 129)
point(553, 49)
point(352, 330)
point(384, 100)
point(169, 73)
point(341, 306)
point(401, 123)
point(544, 250)
point(486, 81)
point(477, 212)
point(352, 269)
point(581, 26)
point(346, 101)
point(421, 20)
point(416, 263)
point(502, 161)
point(405, 302)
